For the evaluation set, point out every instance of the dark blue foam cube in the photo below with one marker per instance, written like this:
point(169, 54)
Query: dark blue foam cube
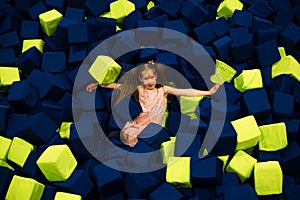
point(31, 169)
point(170, 7)
point(4, 112)
point(7, 57)
point(139, 185)
point(220, 26)
point(242, 18)
point(88, 165)
point(54, 62)
point(290, 37)
point(77, 54)
point(22, 96)
point(108, 181)
point(194, 12)
point(139, 4)
point(187, 144)
point(146, 54)
point(6, 177)
point(264, 156)
point(14, 122)
point(10, 40)
point(58, 5)
point(292, 128)
point(291, 159)
point(277, 4)
point(80, 33)
point(283, 104)
point(47, 88)
point(152, 32)
point(75, 3)
point(244, 191)
point(49, 192)
point(203, 110)
point(54, 140)
point(95, 7)
point(38, 129)
point(265, 35)
point(177, 25)
point(106, 96)
point(105, 27)
point(168, 59)
point(61, 31)
point(226, 139)
point(261, 9)
point(74, 14)
point(239, 34)
point(284, 84)
point(78, 183)
point(37, 9)
point(23, 5)
point(260, 109)
point(153, 135)
point(29, 60)
point(176, 122)
point(283, 17)
point(297, 93)
point(131, 20)
point(267, 53)
point(8, 24)
point(292, 192)
point(204, 193)
point(207, 171)
point(161, 20)
point(205, 33)
point(165, 191)
point(29, 29)
point(222, 48)
point(260, 24)
point(230, 180)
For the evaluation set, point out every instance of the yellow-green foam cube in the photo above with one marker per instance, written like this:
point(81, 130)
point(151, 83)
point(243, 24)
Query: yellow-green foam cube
point(242, 164)
point(64, 130)
point(268, 178)
point(224, 159)
point(4, 147)
point(224, 73)
point(5, 164)
point(19, 151)
point(164, 120)
point(167, 149)
point(273, 137)
point(227, 8)
point(120, 9)
point(248, 132)
point(105, 70)
point(66, 196)
point(286, 65)
point(150, 5)
point(49, 21)
point(38, 43)
point(8, 75)
point(57, 163)
point(188, 105)
point(281, 52)
point(248, 79)
point(178, 172)
point(25, 189)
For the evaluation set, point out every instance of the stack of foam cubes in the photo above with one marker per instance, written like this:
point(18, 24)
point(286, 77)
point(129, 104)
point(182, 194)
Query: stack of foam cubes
point(256, 47)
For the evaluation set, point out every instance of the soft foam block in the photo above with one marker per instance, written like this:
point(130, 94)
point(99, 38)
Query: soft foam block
point(268, 178)
point(29, 60)
point(273, 137)
point(38, 43)
point(248, 132)
point(54, 62)
point(7, 57)
point(8, 75)
point(244, 191)
point(227, 8)
point(165, 191)
point(24, 188)
point(66, 196)
point(242, 164)
point(267, 53)
point(224, 73)
point(286, 65)
point(49, 21)
point(120, 9)
point(178, 172)
point(248, 79)
point(105, 70)
point(5, 144)
point(57, 163)
point(167, 149)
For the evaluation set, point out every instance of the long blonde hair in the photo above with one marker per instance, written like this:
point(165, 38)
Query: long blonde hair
point(130, 80)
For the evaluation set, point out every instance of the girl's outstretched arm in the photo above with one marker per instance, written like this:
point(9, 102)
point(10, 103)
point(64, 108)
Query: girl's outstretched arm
point(190, 92)
point(93, 86)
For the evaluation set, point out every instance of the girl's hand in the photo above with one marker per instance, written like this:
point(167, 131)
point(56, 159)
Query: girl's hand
point(214, 89)
point(91, 87)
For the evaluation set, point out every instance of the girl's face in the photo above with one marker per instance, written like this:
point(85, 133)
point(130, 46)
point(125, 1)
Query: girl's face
point(148, 78)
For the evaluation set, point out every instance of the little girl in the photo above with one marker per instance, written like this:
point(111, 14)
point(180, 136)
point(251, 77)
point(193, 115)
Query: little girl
point(151, 92)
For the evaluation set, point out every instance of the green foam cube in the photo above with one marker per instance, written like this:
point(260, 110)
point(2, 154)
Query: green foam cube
point(64, 130)
point(150, 5)
point(25, 189)
point(178, 172)
point(5, 164)
point(188, 105)
point(242, 164)
point(281, 52)
point(19, 151)
point(66, 196)
point(268, 178)
point(38, 43)
point(49, 21)
point(273, 137)
point(248, 132)
point(286, 65)
point(224, 159)
point(224, 73)
point(227, 8)
point(167, 149)
point(5, 145)
point(120, 9)
point(57, 163)
point(8, 75)
point(248, 79)
point(105, 70)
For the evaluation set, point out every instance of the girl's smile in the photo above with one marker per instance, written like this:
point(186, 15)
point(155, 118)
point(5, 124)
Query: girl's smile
point(148, 78)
